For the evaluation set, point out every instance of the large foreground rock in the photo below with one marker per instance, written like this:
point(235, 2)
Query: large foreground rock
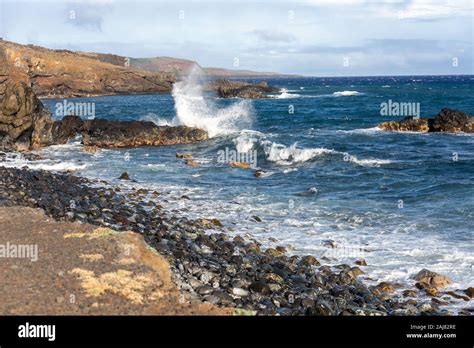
point(447, 120)
point(24, 123)
point(91, 263)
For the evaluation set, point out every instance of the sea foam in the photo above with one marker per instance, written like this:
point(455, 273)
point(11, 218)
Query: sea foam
point(346, 93)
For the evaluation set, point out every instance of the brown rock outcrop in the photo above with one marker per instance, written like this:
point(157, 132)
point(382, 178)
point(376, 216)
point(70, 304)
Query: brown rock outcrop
point(24, 123)
point(447, 120)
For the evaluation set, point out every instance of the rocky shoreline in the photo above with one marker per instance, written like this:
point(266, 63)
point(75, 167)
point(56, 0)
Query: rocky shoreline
point(211, 266)
point(25, 124)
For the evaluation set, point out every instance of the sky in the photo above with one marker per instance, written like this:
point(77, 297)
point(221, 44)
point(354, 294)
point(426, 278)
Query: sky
point(307, 37)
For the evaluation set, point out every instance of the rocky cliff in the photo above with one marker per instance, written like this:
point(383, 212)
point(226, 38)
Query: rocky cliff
point(24, 123)
point(62, 73)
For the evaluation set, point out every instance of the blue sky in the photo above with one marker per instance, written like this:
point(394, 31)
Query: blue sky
point(309, 37)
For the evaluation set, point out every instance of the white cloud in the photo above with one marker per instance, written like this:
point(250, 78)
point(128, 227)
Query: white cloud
point(431, 9)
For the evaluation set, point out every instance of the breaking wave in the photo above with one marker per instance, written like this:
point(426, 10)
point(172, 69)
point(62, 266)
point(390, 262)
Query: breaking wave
point(290, 155)
point(285, 95)
point(194, 110)
point(346, 93)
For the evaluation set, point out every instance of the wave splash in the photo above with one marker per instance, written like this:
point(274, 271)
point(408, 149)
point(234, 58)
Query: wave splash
point(194, 110)
point(285, 95)
point(290, 155)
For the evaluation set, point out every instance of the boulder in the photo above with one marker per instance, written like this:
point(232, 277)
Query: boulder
point(432, 278)
point(124, 176)
point(427, 288)
point(383, 287)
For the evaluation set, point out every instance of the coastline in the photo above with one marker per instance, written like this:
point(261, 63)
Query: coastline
point(208, 267)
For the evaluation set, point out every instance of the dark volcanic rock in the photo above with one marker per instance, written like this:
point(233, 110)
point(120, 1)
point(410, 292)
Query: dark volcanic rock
point(240, 89)
point(67, 128)
point(124, 176)
point(453, 121)
point(447, 120)
point(105, 133)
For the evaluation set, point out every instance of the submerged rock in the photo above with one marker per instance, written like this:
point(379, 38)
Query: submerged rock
point(241, 165)
point(124, 176)
point(184, 155)
point(470, 292)
point(458, 296)
point(361, 262)
point(192, 163)
point(427, 288)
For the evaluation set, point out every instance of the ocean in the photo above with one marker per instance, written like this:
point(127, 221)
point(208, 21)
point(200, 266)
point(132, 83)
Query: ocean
point(333, 185)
